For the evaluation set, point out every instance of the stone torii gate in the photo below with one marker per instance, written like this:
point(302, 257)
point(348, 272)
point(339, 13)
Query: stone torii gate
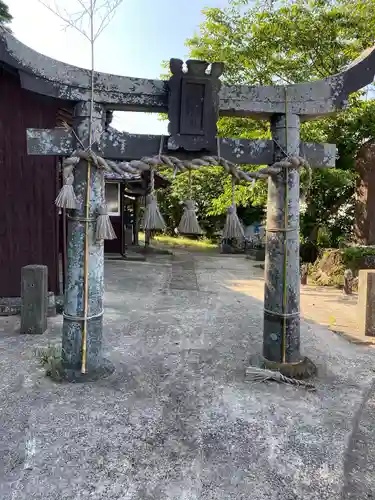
point(193, 100)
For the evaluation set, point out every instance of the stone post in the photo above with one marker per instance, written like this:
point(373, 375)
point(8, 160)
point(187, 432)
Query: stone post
point(366, 309)
point(74, 298)
point(51, 304)
point(136, 221)
point(348, 282)
point(34, 299)
point(281, 335)
point(147, 238)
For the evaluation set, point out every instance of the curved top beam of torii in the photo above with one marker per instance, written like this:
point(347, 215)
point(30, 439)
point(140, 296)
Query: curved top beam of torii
point(47, 76)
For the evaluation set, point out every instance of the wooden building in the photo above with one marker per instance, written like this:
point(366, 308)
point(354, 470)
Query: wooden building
point(31, 228)
point(125, 198)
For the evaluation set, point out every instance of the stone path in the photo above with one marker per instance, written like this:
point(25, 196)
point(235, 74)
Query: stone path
point(177, 420)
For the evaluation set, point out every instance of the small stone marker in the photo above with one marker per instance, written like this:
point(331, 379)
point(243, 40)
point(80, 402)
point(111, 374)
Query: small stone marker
point(304, 273)
point(51, 304)
point(34, 299)
point(250, 232)
point(366, 302)
point(348, 282)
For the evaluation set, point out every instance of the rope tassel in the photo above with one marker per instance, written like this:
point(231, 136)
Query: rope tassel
point(153, 219)
point(104, 228)
point(189, 222)
point(256, 374)
point(66, 197)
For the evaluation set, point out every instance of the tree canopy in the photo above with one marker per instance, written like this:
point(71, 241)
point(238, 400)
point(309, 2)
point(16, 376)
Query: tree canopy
point(5, 15)
point(289, 42)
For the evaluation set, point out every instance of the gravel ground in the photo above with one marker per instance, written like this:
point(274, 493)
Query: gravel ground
point(177, 420)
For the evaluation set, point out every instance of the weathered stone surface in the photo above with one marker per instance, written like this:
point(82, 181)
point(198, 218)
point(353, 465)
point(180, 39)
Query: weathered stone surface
point(193, 104)
point(47, 76)
point(282, 276)
point(50, 77)
point(366, 302)
point(117, 145)
point(319, 155)
point(57, 142)
point(72, 340)
point(34, 299)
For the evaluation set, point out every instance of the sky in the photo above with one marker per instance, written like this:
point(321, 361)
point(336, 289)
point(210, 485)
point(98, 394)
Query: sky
point(142, 34)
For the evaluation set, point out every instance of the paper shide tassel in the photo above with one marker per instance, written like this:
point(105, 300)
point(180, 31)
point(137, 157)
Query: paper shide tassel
point(189, 222)
point(66, 197)
point(104, 228)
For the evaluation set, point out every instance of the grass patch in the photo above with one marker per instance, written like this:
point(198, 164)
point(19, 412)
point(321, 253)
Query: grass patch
point(181, 242)
point(50, 360)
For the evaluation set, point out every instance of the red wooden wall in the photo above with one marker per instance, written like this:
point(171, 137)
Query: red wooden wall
point(28, 187)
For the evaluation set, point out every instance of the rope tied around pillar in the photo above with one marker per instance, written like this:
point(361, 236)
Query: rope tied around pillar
point(67, 198)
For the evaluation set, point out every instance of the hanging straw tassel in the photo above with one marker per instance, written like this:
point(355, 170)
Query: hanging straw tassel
point(233, 227)
point(189, 223)
point(66, 197)
point(104, 228)
point(152, 218)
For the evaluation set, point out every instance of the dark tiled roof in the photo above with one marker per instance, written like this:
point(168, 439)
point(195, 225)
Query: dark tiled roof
point(113, 176)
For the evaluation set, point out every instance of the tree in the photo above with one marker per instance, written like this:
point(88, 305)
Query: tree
point(206, 187)
point(289, 42)
point(5, 15)
point(297, 41)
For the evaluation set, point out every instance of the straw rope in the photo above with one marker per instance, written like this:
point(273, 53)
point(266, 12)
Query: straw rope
point(149, 162)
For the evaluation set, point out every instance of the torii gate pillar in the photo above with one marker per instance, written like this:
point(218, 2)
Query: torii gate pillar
point(281, 333)
point(78, 257)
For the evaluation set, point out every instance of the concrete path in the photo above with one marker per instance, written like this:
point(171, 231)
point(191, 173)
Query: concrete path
point(177, 420)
